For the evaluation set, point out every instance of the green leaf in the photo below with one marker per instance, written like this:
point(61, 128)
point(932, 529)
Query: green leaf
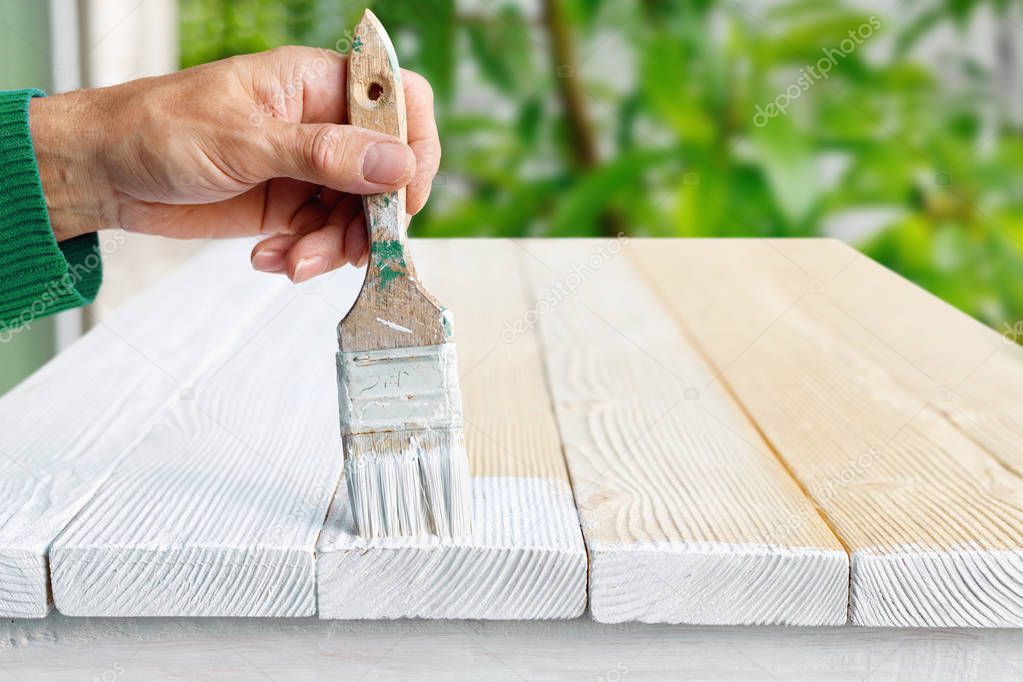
point(789, 165)
point(582, 205)
point(501, 48)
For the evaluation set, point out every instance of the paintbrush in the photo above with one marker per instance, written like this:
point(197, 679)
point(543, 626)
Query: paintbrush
point(400, 406)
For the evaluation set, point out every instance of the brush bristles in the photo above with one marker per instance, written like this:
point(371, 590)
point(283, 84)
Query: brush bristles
point(401, 424)
point(413, 482)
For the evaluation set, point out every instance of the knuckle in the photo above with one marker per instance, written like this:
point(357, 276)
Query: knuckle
point(327, 149)
point(284, 52)
point(419, 86)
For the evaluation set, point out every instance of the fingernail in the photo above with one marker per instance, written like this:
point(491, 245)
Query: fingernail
point(308, 268)
point(268, 261)
point(386, 163)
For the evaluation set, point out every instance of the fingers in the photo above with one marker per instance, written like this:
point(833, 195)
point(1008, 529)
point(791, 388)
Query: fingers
point(422, 138)
point(339, 238)
point(323, 74)
point(339, 157)
point(269, 254)
point(284, 199)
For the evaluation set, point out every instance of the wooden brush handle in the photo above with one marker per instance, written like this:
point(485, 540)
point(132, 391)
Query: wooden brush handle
point(376, 100)
point(392, 311)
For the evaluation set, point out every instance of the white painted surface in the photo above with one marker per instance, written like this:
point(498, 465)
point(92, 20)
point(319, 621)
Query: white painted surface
point(912, 587)
point(714, 583)
point(60, 649)
point(523, 561)
point(63, 429)
point(217, 509)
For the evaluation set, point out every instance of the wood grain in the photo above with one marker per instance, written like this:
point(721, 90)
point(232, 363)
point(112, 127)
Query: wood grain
point(525, 558)
point(688, 516)
point(972, 374)
point(216, 510)
point(827, 369)
point(67, 426)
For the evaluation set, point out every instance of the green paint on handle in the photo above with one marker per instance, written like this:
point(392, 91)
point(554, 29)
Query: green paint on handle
point(446, 321)
point(357, 44)
point(389, 258)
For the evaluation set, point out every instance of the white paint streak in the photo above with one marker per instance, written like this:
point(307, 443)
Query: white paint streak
point(399, 388)
point(395, 327)
point(524, 559)
point(910, 587)
point(714, 583)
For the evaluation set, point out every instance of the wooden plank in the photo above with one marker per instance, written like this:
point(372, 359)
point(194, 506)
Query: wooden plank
point(933, 521)
point(688, 516)
point(215, 512)
point(971, 373)
point(61, 649)
point(66, 426)
point(525, 558)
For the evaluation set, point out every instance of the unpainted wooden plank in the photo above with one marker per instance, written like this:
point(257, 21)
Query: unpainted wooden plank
point(65, 427)
point(688, 516)
point(525, 558)
point(972, 373)
point(933, 520)
point(216, 510)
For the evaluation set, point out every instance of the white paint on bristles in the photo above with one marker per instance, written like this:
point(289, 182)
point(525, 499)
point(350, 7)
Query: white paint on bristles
point(408, 482)
point(401, 423)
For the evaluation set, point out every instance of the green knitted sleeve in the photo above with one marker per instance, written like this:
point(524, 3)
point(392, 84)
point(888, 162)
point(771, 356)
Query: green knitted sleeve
point(38, 276)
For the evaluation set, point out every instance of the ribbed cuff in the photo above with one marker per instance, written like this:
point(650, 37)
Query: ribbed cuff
point(38, 276)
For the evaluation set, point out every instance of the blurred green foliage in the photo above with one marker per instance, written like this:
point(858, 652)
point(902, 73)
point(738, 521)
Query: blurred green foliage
point(588, 117)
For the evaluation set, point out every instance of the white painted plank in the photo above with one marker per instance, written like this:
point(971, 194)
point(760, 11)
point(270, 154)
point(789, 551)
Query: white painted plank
point(63, 429)
point(60, 649)
point(215, 512)
point(688, 516)
point(933, 520)
point(525, 558)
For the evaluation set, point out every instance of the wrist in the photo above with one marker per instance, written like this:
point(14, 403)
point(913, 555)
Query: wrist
point(65, 138)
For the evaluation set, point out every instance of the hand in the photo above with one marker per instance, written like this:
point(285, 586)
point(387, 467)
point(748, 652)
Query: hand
point(248, 145)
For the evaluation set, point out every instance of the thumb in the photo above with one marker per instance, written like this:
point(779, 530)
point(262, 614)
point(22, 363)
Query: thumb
point(342, 157)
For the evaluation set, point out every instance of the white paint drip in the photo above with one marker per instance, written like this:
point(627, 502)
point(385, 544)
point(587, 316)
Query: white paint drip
point(395, 327)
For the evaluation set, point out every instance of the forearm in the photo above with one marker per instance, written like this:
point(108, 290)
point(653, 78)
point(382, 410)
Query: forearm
point(67, 140)
point(38, 276)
